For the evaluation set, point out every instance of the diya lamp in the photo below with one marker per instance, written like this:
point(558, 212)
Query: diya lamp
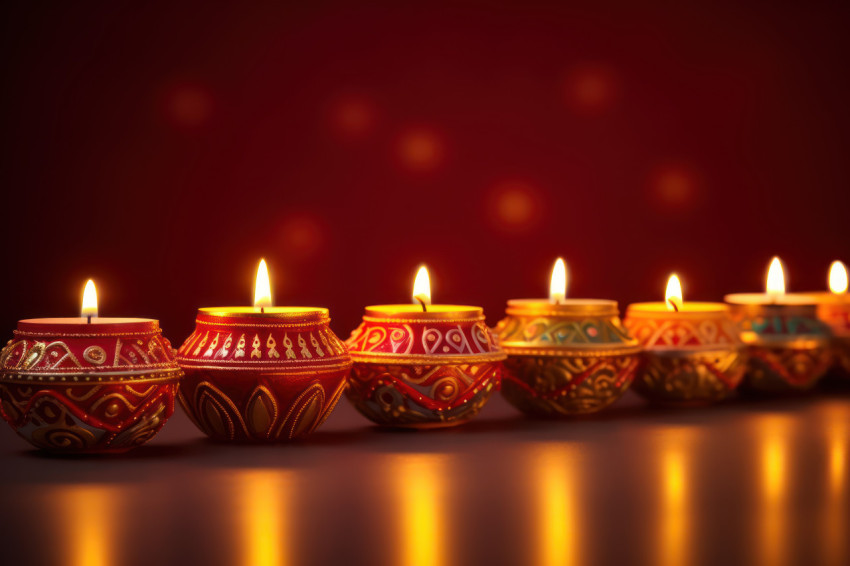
point(422, 365)
point(834, 309)
point(88, 385)
point(788, 346)
point(261, 373)
point(565, 356)
point(693, 353)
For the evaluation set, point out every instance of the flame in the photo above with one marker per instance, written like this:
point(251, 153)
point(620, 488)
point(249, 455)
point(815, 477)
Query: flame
point(89, 308)
point(775, 278)
point(673, 295)
point(558, 283)
point(422, 286)
point(838, 278)
point(262, 287)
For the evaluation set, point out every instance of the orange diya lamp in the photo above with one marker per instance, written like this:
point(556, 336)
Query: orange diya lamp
point(422, 365)
point(565, 356)
point(834, 310)
point(261, 373)
point(693, 352)
point(88, 385)
point(788, 346)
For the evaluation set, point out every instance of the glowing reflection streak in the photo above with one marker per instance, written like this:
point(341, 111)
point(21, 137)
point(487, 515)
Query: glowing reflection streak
point(557, 506)
point(264, 497)
point(835, 528)
point(420, 491)
point(774, 480)
point(675, 524)
point(89, 521)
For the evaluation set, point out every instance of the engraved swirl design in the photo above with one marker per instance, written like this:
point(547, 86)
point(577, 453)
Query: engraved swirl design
point(421, 396)
point(552, 386)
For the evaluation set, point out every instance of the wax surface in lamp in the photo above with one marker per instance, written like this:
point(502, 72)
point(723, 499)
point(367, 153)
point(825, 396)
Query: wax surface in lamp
point(88, 316)
point(422, 307)
point(774, 291)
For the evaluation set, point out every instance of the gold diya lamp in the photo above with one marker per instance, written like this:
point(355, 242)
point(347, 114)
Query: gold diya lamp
point(834, 310)
point(89, 384)
point(422, 365)
point(789, 348)
point(693, 353)
point(261, 373)
point(565, 356)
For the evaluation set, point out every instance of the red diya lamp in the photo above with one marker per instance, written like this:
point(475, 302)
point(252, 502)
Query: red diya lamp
point(261, 373)
point(834, 309)
point(789, 348)
point(422, 365)
point(565, 356)
point(693, 353)
point(88, 384)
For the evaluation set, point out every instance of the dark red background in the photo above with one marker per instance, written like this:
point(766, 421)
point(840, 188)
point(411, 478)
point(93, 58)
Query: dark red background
point(163, 150)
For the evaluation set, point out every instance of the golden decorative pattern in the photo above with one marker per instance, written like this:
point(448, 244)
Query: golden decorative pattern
point(551, 386)
point(421, 396)
point(82, 418)
point(693, 377)
point(784, 369)
point(262, 417)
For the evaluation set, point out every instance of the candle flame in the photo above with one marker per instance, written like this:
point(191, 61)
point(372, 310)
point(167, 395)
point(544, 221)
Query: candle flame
point(775, 278)
point(558, 282)
point(89, 308)
point(262, 287)
point(838, 278)
point(422, 287)
point(673, 295)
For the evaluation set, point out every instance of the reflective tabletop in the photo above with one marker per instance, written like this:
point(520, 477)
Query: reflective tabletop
point(746, 482)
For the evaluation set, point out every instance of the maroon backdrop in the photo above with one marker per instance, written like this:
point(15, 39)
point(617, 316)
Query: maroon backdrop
point(163, 150)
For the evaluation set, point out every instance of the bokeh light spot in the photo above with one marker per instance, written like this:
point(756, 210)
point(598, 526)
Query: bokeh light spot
point(675, 186)
point(420, 150)
point(353, 116)
point(514, 207)
point(592, 88)
point(301, 235)
point(189, 106)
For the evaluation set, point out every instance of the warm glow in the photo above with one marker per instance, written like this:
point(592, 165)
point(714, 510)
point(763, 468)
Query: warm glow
point(675, 524)
point(558, 506)
point(775, 278)
point(262, 287)
point(422, 287)
point(773, 479)
point(673, 295)
point(90, 522)
point(558, 283)
point(421, 522)
point(89, 300)
point(838, 277)
point(264, 499)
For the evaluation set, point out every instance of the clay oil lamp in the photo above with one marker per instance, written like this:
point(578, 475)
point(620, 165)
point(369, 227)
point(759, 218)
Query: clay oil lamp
point(422, 365)
point(789, 348)
point(565, 356)
point(693, 353)
point(88, 384)
point(261, 373)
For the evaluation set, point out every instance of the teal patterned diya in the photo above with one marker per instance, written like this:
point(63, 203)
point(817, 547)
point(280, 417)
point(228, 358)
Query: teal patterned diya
point(789, 347)
point(565, 356)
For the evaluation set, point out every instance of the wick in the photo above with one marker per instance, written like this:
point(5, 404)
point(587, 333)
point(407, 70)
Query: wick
point(262, 310)
point(422, 302)
point(674, 305)
point(89, 319)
